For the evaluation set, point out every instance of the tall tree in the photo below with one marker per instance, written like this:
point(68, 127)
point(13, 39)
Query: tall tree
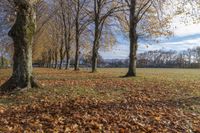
point(133, 39)
point(143, 19)
point(66, 31)
point(103, 9)
point(77, 23)
point(22, 34)
point(70, 26)
point(82, 20)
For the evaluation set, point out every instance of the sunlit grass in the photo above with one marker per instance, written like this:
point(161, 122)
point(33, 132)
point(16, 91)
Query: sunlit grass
point(108, 84)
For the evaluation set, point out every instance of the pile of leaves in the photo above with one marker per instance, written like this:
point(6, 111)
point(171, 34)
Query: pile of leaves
point(100, 104)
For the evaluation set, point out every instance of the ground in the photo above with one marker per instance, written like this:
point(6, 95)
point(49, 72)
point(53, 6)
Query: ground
point(158, 100)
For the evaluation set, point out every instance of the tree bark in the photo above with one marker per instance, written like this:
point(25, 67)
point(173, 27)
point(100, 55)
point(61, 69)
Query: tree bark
point(56, 58)
point(67, 60)
point(96, 47)
point(22, 34)
point(2, 62)
point(133, 40)
point(76, 65)
point(62, 54)
point(49, 58)
point(66, 41)
point(95, 56)
point(68, 46)
point(96, 38)
point(68, 51)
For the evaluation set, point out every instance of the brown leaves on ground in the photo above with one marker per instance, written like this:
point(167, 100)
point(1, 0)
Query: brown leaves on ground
point(103, 102)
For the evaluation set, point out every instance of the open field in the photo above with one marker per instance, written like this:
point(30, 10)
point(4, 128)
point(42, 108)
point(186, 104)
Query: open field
point(158, 100)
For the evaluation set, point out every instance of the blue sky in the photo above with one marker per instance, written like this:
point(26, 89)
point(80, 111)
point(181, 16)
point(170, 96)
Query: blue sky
point(185, 36)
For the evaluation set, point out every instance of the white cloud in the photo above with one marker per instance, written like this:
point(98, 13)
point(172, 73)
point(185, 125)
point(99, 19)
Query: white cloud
point(119, 51)
point(184, 26)
point(185, 36)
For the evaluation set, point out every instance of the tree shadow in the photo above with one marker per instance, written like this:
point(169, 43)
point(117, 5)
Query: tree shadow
point(181, 103)
point(87, 112)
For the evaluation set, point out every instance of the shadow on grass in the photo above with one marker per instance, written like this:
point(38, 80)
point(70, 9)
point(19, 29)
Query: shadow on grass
point(86, 112)
point(181, 103)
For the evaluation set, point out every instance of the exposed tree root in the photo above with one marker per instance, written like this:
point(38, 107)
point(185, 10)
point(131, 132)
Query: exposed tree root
point(13, 85)
point(77, 69)
point(130, 74)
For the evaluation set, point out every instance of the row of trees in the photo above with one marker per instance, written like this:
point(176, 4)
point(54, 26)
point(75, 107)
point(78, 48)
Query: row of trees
point(84, 27)
point(65, 27)
point(189, 58)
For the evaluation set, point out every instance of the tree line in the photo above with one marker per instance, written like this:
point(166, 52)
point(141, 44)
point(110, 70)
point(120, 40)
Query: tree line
point(189, 58)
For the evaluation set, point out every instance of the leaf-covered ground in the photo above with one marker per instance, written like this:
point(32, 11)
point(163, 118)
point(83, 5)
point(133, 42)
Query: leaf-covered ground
point(158, 100)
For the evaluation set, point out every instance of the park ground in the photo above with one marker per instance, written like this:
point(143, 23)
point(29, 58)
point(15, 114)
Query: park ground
point(157, 100)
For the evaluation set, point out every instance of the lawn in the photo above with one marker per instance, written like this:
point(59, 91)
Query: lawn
point(157, 100)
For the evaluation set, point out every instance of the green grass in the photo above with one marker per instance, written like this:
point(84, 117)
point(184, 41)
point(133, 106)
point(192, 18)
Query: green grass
point(156, 95)
point(107, 84)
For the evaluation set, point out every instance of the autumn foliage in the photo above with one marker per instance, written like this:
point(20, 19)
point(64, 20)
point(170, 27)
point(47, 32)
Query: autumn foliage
point(160, 101)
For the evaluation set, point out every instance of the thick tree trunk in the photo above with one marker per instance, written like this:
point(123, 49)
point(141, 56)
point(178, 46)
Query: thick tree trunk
point(133, 41)
point(22, 34)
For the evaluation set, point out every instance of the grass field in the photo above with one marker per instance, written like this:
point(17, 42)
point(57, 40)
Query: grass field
point(157, 100)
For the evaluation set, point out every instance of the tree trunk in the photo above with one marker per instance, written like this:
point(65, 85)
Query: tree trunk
point(56, 58)
point(53, 59)
point(95, 56)
point(133, 40)
point(61, 62)
point(76, 65)
point(2, 62)
point(49, 59)
point(22, 34)
point(68, 47)
point(67, 60)
point(68, 54)
point(96, 42)
point(65, 36)
point(61, 54)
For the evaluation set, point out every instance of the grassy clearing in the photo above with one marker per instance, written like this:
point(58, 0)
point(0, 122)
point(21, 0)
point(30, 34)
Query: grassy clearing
point(156, 95)
point(174, 84)
point(179, 83)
